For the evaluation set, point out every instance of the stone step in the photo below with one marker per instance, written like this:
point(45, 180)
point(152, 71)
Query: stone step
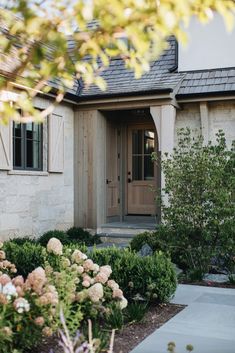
point(129, 229)
point(123, 232)
point(116, 238)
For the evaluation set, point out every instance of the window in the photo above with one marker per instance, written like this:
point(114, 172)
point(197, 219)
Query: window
point(27, 146)
point(143, 145)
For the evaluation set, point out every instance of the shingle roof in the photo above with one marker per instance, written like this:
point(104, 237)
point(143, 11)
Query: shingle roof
point(121, 81)
point(207, 82)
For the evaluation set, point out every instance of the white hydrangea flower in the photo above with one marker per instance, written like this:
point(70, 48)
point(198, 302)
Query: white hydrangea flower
point(21, 305)
point(96, 292)
point(123, 303)
point(55, 246)
point(9, 290)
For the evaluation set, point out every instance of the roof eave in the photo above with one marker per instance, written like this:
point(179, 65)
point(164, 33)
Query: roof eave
point(124, 94)
point(189, 96)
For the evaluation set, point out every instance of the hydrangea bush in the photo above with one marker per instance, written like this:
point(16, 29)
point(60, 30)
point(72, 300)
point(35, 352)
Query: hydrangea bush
point(27, 307)
point(69, 281)
point(92, 291)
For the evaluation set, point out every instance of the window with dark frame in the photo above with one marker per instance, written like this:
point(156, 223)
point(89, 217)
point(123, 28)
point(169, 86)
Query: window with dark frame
point(27, 146)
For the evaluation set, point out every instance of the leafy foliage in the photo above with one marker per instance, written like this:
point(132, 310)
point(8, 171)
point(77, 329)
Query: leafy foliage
point(199, 214)
point(59, 234)
point(102, 25)
point(141, 239)
point(26, 256)
point(22, 240)
point(76, 234)
point(136, 311)
point(151, 278)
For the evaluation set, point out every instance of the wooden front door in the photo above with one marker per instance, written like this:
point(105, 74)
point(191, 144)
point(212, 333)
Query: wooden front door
point(141, 171)
point(112, 170)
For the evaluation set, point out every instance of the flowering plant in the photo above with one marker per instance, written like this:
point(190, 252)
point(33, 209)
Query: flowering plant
point(26, 307)
point(85, 288)
point(69, 281)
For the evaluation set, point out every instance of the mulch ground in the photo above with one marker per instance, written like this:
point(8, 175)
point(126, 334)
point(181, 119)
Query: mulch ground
point(132, 334)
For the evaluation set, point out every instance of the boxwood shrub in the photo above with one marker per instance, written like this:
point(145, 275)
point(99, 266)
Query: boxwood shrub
point(26, 256)
point(152, 277)
point(59, 234)
point(76, 234)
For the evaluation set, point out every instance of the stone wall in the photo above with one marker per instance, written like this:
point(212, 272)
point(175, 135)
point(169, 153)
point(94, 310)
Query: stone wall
point(34, 202)
point(221, 115)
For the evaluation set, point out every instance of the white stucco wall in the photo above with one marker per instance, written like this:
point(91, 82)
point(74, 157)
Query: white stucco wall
point(33, 204)
point(209, 46)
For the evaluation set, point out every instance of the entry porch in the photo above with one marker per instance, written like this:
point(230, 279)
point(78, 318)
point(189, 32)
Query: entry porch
point(116, 181)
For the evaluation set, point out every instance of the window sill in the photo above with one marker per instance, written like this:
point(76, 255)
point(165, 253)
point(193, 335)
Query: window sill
point(28, 172)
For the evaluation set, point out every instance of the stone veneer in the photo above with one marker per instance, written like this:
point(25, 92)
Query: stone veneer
point(221, 116)
point(33, 203)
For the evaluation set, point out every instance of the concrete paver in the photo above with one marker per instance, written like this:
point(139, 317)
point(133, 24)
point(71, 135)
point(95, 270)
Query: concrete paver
point(208, 322)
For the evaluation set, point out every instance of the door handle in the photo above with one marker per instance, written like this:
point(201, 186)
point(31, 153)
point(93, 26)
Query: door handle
point(108, 181)
point(129, 180)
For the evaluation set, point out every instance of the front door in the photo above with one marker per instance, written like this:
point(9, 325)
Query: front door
point(141, 171)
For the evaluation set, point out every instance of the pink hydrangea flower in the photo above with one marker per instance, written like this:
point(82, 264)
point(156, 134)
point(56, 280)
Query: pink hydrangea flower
point(36, 280)
point(18, 281)
point(101, 277)
point(4, 279)
point(39, 321)
point(88, 265)
point(106, 269)
point(78, 256)
point(117, 293)
point(112, 284)
point(86, 284)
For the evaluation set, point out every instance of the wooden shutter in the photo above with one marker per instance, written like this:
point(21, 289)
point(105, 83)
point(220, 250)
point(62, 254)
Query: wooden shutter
point(6, 146)
point(56, 144)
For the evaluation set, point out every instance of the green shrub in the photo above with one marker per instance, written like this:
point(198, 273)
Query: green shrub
point(77, 234)
point(21, 241)
point(143, 238)
point(59, 234)
point(26, 257)
point(199, 214)
point(151, 277)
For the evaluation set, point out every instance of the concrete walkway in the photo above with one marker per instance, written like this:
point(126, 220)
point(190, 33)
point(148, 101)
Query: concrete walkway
point(208, 323)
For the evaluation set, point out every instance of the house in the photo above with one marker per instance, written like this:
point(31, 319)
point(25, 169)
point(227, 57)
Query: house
point(90, 165)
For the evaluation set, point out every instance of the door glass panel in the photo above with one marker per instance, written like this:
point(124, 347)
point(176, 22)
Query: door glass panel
point(148, 142)
point(137, 142)
point(148, 168)
point(143, 145)
point(137, 167)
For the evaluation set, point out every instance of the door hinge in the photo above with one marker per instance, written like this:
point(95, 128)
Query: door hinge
point(118, 155)
point(119, 200)
point(118, 177)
